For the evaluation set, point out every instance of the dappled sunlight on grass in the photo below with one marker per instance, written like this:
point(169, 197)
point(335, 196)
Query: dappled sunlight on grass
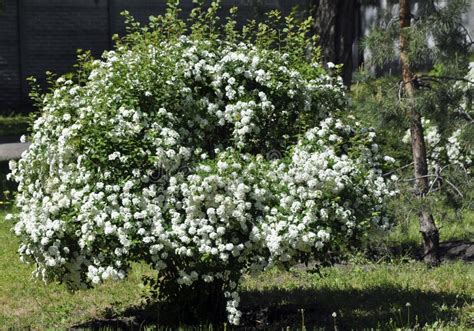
point(27, 302)
point(366, 294)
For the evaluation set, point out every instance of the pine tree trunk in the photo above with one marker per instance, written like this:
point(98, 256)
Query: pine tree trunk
point(428, 227)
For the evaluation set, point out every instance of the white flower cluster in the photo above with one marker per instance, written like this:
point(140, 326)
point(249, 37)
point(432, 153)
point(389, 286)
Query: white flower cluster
point(160, 157)
point(444, 151)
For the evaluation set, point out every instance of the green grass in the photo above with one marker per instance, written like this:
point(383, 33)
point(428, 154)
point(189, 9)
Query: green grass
point(451, 228)
point(404, 239)
point(25, 302)
point(362, 295)
point(371, 295)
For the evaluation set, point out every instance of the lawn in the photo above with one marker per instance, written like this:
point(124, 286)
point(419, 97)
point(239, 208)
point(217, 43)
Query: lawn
point(362, 295)
point(404, 239)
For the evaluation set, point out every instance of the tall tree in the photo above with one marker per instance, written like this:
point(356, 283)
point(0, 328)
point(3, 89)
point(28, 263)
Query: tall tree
point(428, 228)
point(428, 42)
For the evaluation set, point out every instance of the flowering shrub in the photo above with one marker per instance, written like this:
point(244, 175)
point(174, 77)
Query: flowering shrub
point(204, 156)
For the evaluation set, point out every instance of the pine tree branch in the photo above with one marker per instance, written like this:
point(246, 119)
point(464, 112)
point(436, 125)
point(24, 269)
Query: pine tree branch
point(448, 78)
point(438, 178)
point(398, 169)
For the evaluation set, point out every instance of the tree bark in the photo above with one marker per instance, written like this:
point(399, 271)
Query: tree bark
point(428, 228)
point(336, 23)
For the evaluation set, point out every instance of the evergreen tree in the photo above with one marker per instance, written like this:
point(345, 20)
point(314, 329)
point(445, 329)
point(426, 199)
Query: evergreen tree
point(431, 45)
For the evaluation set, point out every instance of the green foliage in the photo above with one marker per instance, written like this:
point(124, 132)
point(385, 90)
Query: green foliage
point(290, 34)
point(436, 35)
point(439, 51)
point(202, 150)
point(375, 103)
point(14, 125)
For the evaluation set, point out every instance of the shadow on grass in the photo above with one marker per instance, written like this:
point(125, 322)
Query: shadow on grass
point(453, 250)
point(378, 307)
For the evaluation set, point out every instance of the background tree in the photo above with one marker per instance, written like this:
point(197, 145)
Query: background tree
point(431, 45)
point(336, 22)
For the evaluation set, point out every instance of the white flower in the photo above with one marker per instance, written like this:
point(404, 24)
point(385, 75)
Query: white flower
point(114, 155)
point(389, 159)
point(188, 179)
